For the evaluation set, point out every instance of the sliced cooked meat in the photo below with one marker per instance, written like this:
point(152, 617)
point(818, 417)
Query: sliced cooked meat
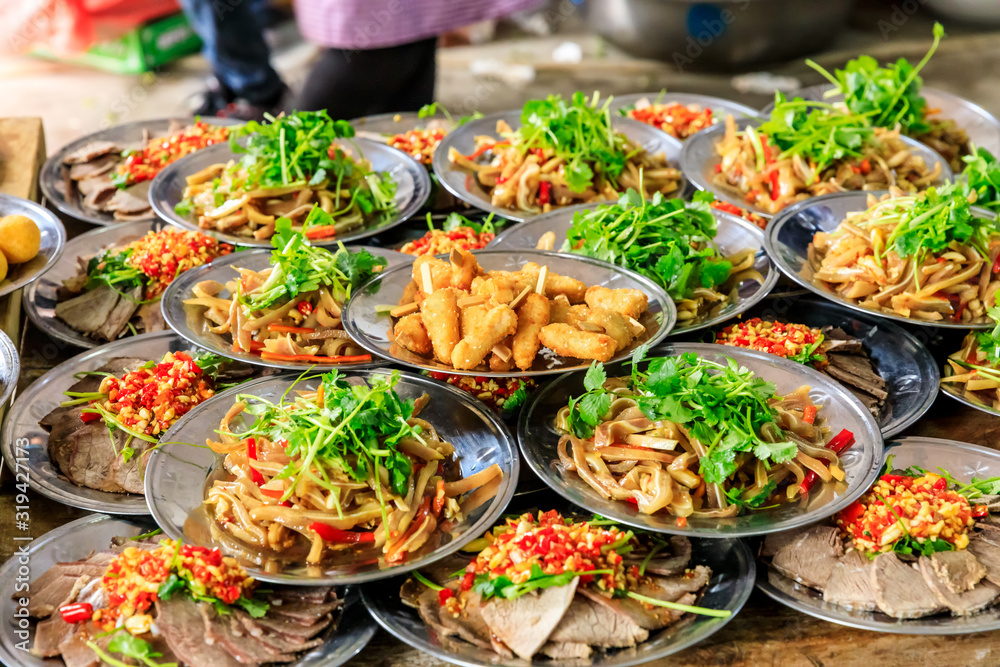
point(246, 649)
point(285, 628)
point(961, 604)
point(74, 650)
point(317, 594)
point(873, 404)
point(151, 315)
point(988, 554)
point(89, 458)
point(45, 601)
point(73, 571)
point(589, 623)
point(858, 365)
point(810, 559)
point(89, 311)
point(870, 382)
point(304, 613)
point(120, 315)
point(992, 502)
point(838, 340)
point(646, 618)
point(773, 542)
point(900, 589)
point(469, 624)
point(670, 589)
point(564, 651)
point(49, 634)
point(129, 217)
point(131, 200)
point(674, 563)
point(959, 571)
point(525, 623)
point(181, 625)
point(91, 151)
point(97, 199)
point(95, 167)
point(850, 583)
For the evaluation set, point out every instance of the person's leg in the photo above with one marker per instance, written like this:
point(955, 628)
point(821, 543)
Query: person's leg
point(352, 83)
point(235, 48)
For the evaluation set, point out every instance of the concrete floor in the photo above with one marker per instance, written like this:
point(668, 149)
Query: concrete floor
point(73, 101)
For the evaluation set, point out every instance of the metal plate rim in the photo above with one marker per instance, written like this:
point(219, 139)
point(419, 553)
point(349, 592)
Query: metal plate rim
point(613, 510)
point(46, 221)
point(505, 441)
point(669, 318)
point(771, 242)
point(636, 131)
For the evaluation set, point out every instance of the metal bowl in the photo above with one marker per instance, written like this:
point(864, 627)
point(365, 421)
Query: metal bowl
point(128, 136)
point(40, 297)
point(982, 127)
point(413, 186)
point(908, 368)
point(25, 443)
point(957, 392)
point(732, 580)
point(720, 107)
point(49, 251)
point(371, 329)
point(190, 324)
point(380, 126)
point(979, 12)
point(78, 539)
point(538, 439)
point(788, 236)
point(178, 474)
point(10, 371)
point(961, 460)
point(719, 35)
point(463, 185)
point(698, 161)
point(734, 234)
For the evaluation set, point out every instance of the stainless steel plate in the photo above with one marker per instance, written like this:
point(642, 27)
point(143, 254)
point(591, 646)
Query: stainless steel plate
point(463, 185)
point(413, 186)
point(961, 460)
point(51, 247)
point(953, 390)
point(734, 234)
point(982, 127)
point(178, 474)
point(127, 135)
point(78, 539)
point(370, 329)
point(190, 324)
point(908, 368)
point(720, 107)
point(698, 160)
point(789, 234)
point(732, 580)
point(384, 125)
point(40, 297)
point(10, 368)
point(538, 438)
point(22, 436)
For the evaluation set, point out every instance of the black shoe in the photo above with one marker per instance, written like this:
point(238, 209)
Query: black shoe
point(214, 99)
point(242, 109)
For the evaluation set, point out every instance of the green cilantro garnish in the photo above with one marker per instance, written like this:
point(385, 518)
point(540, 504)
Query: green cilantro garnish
point(299, 267)
point(815, 131)
point(889, 95)
point(982, 176)
point(659, 238)
point(580, 132)
point(517, 399)
point(431, 110)
point(723, 406)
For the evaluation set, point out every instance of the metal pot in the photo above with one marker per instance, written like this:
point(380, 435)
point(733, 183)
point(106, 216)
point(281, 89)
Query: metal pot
point(721, 34)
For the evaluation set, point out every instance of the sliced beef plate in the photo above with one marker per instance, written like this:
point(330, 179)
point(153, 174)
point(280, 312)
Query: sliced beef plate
point(850, 583)
point(247, 650)
point(525, 623)
point(469, 624)
point(773, 542)
point(959, 571)
point(181, 625)
point(89, 311)
point(900, 589)
point(987, 552)
point(960, 604)
point(96, 167)
point(589, 623)
point(91, 151)
point(810, 559)
point(49, 634)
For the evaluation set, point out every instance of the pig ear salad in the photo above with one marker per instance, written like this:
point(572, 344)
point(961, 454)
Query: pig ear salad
point(562, 569)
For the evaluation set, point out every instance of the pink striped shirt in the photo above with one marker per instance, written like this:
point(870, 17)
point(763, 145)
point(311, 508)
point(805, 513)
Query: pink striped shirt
point(373, 24)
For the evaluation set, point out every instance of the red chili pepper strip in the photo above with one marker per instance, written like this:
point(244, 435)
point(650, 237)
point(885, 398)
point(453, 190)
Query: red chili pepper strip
point(323, 232)
point(444, 595)
point(544, 193)
point(330, 534)
point(837, 444)
point(281, 328)
point(484, 148)
point(87, 417)
point(318, 360)
point(255, 475)
point(77, 612)
point(809, 414)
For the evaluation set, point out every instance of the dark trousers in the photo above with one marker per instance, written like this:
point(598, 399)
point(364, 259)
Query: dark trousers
point(352, 83)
